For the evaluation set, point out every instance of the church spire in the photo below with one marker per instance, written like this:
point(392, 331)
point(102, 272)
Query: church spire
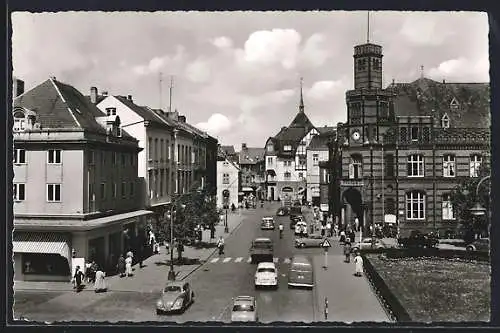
point(301, 105)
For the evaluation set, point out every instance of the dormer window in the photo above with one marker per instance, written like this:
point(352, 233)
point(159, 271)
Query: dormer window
point(445, 121)
point(111, 112)
point(287, 148)
point(454, 105)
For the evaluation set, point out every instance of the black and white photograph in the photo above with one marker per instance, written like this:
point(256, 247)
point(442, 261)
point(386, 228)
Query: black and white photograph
point(246, 167)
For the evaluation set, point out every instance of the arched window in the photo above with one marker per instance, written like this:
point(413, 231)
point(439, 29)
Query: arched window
point(415, 205)
point(445, 121)
point(447, 207)
point(356, 167)
point(19, 121)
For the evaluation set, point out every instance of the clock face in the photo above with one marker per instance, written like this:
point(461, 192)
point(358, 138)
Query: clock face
point(355, 135)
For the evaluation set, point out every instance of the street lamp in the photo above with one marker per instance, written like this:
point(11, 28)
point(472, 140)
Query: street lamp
point(226, 228)
point(478, 209)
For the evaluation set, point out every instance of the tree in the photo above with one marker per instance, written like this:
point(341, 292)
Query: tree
point(463, 197)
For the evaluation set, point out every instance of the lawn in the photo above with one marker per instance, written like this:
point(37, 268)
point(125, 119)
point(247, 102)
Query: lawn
point(436, 289)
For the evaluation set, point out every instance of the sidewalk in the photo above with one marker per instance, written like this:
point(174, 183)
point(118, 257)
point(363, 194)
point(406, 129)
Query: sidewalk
point(153, 275)
point(350, 298)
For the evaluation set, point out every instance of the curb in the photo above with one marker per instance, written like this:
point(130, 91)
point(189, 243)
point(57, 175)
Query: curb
point(211, 254)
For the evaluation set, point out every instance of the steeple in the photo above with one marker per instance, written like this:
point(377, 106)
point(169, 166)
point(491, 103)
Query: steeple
point(301, 105)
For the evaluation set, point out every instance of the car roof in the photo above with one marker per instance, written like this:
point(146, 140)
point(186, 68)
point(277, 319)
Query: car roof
point(301, 259)
point(244, 299)
point(175, 283)
point(262, 239)
point(266, 265)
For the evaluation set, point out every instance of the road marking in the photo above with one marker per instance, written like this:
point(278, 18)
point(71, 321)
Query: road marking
point(275, 259)
point(238, 259)
point(226, 259)
point(249, 260)
point(286, 261)
point(214, 260)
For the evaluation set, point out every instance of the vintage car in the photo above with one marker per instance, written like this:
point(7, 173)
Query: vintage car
point(267, 223)
point(262, 249)
point(367, 243)
point(176, 297)
point(301, 228)
point(244, 309)
point(266, 275)
point(312, 240)
point(282, 211)
point(479, 245)
point(301, 272)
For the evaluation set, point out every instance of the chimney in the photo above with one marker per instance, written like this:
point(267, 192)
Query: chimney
point(93, 95)
point(104, 93)
point(18, 87)
point(444, 81)
point(129, 97)
point(243, 146)
point(182, 119)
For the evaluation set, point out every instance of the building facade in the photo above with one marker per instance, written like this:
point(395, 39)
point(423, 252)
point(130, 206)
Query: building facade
point(76, 191)
point(228, 181)
point(317, 152)
point(252, 166)
point(404, 148)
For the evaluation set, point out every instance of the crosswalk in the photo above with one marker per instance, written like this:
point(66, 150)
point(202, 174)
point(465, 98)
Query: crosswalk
point(226, 260)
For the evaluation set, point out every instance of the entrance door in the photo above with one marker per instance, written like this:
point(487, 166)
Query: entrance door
point(354, 208)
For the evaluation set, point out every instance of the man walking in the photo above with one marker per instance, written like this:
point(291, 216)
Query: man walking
point(329, 229)
point(78, 278)
point(220, 245)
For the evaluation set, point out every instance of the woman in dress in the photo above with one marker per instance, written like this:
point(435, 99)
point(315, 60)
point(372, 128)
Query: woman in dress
point(121, 266)
point(358, 261)
point(100, 283)
point(128, 266)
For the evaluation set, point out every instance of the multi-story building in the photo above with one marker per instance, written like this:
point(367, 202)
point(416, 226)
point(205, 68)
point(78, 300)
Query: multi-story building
point(286, 158)
point(404, 148)
point(228, 180)
point(211, 163)
point(317, 152)
point(252, 166)
point(76, 191)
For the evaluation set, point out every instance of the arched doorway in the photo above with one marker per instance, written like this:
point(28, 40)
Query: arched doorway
point(353, 202)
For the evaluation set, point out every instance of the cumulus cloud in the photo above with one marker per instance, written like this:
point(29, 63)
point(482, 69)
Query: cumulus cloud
point(158, 63)
point(424, 30)
point(222, 42)
point(462, 69)
point(273, 46)
point(314, 52)
point(216, 124)
point(325, 89)
point(198, 71)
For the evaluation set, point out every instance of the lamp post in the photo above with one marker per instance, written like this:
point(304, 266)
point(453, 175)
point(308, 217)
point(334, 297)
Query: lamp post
point(171, 273)
point(479, 210)
point(226, 228)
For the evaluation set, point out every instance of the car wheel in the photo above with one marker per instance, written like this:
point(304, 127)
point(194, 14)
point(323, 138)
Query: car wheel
point(469, 248)
point(302, 245)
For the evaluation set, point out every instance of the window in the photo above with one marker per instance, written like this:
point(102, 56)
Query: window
point(20, 156)
point(124, 190)
point(270, 147)
point(161, 150)
point(447, 208)
point(225, 178)
point(53, 192)
point(454, 105)
point(415, 166)
point(156, 150)
point(301, 175)
point(389, 165)
point(54, 156)
point(19, 192)
point(355, 168)
point(111, 112)
point(287, 175)
point(114, 190)
point(124, 159)
point(287, 148)
point(475, 164)
point(113, 161)
point(414, 133)
point(448, 166)
point(19, 122)
point(103, 191)
point(131, 189)
point(445, 121)
point(415, 205)
point(91, 197)
point(91, 157)
point(315, 159)
point(287, 163)
point(103, 158)
point(150, 149)
point(270, 160)
point(384, 110)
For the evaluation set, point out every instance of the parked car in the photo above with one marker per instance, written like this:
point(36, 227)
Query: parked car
point(300, 273)
point(479, 245)
point(301, 229)
point(297, 210)
point(283, 211)
point(312, 240)
point(267, 223)
point(262, 249)
point(244, 309)
point(417, 239)
point(176, 297)
point(266, 275)
point(367, 243)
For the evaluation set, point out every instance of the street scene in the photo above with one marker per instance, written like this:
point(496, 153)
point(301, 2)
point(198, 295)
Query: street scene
point(302, 167)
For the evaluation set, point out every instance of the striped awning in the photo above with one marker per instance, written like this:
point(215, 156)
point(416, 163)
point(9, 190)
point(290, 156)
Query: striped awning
point(41, 242)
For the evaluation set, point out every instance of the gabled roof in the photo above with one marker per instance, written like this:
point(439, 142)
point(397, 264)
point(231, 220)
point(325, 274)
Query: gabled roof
point(229, 150)
point(301, 121)
point(319, 142)
point(222, 155)
point(144, 112)
point(251, 155)
point(426, 97)
point(326, 129)
point(59, 105)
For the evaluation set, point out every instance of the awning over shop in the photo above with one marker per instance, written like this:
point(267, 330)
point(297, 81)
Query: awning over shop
point(41, 242)
point(271, 172)
point(247, 189)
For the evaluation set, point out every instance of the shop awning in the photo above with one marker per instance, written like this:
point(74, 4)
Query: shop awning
point(271, 172)
point(247, 189)
point(41, 242)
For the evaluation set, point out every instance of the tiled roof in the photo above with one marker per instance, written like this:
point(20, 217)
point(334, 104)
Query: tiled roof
point(228, 150)
point(251, 155)
point(143, 112)
point(319, 142)
point(301, 121)
point(59, 105)
point(428, 97)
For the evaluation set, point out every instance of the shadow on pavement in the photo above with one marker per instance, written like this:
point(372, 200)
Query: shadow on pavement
point(183, 261)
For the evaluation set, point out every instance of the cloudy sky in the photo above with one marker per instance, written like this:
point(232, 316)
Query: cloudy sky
point(236, 74)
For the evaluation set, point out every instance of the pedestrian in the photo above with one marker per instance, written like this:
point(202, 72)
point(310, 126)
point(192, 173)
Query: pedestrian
point(78, 279)
point(167, 247)
point(141, 258)
point(329, 229)
point(356, 223)
point(342, 237)
point(121, 265)
point(347, 251)
point(100, 283)
point(358, 261)
point(323, 230)
point(336, 230)
point(220, 245)
point(128, 266)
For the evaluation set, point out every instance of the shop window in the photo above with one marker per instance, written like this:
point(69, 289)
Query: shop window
point(45, 264)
